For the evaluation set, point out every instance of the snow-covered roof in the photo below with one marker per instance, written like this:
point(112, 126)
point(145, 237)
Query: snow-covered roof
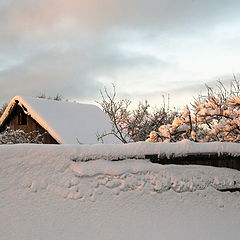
point(66, 122)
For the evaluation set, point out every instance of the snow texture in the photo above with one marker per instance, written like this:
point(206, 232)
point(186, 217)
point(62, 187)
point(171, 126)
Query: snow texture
point(46, 195)
point(140, 149)
point(66, 122)
point(51, 168)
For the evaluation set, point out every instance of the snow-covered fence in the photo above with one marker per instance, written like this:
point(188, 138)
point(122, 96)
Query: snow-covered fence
point(219, 154)
point(209, 159)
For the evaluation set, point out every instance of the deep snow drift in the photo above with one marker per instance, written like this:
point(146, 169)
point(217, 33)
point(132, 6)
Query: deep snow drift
point(47, 195)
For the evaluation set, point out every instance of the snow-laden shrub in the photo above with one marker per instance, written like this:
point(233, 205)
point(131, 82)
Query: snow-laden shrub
point(10, 136)
point(130, 124)
point(213, 117)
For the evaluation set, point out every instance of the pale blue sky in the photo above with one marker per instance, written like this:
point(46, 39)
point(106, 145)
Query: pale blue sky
point(146, 48)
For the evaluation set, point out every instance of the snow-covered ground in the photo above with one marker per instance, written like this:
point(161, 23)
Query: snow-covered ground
point(46, 195)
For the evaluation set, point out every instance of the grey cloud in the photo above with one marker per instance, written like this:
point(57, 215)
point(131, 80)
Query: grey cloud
point(36, 77)
point(193, 89)
point(73, 72)
point(37, 17)
point(184, 94)
point(39, 22)
point(67, 46)
point(29, 26)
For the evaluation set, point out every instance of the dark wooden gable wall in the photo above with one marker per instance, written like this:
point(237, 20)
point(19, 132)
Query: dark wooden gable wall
point(17, 119)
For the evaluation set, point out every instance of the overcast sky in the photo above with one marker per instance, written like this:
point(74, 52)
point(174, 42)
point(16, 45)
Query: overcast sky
point(145, 47)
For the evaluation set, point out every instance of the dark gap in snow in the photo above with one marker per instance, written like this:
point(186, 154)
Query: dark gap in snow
point(207, 159)
point(229, 190)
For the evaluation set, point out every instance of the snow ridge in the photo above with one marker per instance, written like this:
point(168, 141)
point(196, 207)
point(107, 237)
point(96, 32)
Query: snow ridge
point(50, 168)
point(140, 149)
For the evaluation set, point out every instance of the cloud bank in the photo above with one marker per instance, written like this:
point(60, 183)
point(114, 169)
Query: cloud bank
point(75, 47)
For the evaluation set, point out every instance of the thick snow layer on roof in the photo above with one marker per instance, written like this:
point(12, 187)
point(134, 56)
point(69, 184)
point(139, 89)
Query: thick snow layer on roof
point(67, 122)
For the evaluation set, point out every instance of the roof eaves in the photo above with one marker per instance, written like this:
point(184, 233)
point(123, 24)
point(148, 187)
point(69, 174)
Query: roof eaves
point(17, 100)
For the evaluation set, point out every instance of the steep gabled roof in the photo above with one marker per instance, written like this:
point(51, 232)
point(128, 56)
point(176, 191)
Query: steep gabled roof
point(66, 122)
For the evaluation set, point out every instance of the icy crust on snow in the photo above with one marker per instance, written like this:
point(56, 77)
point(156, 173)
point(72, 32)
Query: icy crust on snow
point(140, 149)
point(50, 168)
point(67, 122)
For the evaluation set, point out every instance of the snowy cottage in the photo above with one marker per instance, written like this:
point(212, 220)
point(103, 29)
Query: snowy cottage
point(63, 122)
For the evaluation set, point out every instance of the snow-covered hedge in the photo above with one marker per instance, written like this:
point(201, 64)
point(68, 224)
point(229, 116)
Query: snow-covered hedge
point(10, 136)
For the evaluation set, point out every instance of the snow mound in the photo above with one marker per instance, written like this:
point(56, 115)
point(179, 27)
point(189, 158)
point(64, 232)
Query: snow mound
point(140, 149)
point(50, 168)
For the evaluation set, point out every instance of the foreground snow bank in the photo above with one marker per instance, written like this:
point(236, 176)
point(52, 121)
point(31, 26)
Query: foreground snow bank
point(46, 195)
point(49, 167)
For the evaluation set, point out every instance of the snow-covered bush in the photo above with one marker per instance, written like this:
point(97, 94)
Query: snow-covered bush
point(214, 117)
point(133, 124)
point(10, 136)
point(57, 97)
